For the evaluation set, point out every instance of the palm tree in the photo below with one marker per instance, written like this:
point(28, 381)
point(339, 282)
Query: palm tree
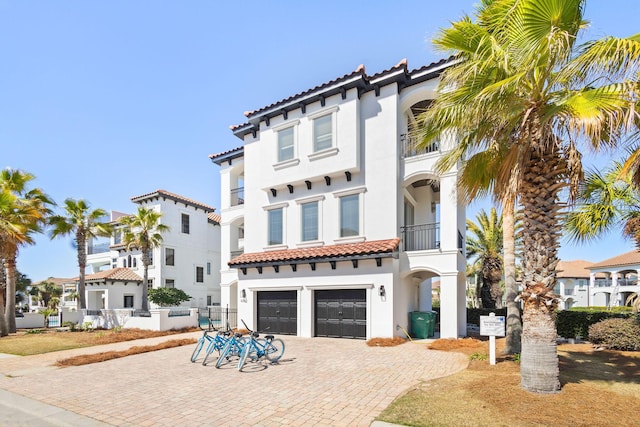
point(521, 83)
point(47, 292)
point(606, 200)
point(23, 213)
point(85, 225)
point(486, 247)
point(144, 232)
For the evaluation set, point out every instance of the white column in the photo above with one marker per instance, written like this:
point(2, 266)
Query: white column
point(453, 313)
point(425, 299)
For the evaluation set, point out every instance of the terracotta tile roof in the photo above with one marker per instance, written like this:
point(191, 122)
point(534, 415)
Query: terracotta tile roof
point(317, 253)
point(214, 217)
point(172, 196)
point(119, 273)
point(58, 281)
point(363, 83)
point(224, 153)
point(629, 258)
point(573, 269)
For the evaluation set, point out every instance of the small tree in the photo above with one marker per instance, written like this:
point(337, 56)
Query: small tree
point(166, 297)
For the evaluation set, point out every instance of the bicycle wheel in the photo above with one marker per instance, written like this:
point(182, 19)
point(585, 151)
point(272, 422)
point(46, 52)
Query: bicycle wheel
point(274, 350)
point(196, 351)
point(243, 355)
point(224, 354)
point(210, 350)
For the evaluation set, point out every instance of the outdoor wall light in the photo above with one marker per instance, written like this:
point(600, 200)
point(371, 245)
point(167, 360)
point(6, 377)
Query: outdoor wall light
point(244, 294)
point(381, 291)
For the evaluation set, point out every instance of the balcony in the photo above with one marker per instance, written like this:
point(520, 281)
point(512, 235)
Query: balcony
point(237, 196)
point(98, 249)
point(237, 253)
point(605, 283)
point(410, 146)
point(420, 237)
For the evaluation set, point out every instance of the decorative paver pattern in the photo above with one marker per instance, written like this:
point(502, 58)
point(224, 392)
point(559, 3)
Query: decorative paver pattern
point(319, 381)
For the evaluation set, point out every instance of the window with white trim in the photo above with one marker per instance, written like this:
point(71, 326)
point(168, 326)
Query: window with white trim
point(309, 220)
point(275, 226)
point(350, 215)
point(199, 274)
point(286, 144)
point(169, 256)
point(169, 283)
point(322, 133)
point(128, 301)
point(185, 223)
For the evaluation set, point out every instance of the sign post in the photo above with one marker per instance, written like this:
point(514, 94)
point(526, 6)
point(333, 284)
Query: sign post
point(492, 326)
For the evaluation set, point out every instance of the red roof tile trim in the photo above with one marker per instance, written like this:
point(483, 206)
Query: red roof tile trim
point(224, 153)
point(330, 251)
point(120, 273)
point(172, 196)
point(214, 217)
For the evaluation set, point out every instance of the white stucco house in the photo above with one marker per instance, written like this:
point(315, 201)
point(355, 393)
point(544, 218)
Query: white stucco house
point(188, 259)
point(613, 280)
point(573, 284)
point(333, 223)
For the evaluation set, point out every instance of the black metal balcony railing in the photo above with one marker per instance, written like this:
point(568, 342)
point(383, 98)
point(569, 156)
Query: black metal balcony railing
point(420, 237)
point(237, 196)
point(410, 146)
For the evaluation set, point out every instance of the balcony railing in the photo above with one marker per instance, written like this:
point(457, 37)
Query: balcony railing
point(237, 196)
point(605, 283)
point(410, 146)
point(420, 237)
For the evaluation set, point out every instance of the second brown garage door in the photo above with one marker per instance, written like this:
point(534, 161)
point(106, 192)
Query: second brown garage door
point(341, 313)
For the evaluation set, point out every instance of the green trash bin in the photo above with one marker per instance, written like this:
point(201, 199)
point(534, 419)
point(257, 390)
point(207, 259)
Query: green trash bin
point(423, 324)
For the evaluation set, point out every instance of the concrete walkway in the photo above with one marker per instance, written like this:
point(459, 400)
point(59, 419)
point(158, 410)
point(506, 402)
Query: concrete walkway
point(319, 381)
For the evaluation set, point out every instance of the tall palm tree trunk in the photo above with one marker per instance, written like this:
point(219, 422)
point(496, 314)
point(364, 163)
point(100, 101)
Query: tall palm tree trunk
point(145, 287)
point(81, 241)
point(10, 302)
point(514, 321)
point(541, 230)
point(4, 329)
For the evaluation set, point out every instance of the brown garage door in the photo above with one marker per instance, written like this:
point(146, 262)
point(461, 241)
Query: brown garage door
point(278, 312)
point(341, 313)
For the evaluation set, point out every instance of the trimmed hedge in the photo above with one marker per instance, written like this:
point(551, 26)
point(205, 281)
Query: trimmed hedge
point(473, 314)
point(573, 323)
point(616, 334)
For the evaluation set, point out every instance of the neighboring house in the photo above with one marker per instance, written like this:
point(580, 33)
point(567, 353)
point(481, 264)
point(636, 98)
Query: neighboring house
point(333, 222)
point(613, 280)
point(188, 259)
point(113, 289)
point(67, 300)
point(572, 284)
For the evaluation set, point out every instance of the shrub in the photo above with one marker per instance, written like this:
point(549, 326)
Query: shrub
point(166, 297)
point(473, 314)
point(572, 324)
point(616, 334)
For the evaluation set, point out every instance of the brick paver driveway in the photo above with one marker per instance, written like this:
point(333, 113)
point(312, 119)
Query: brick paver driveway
point(319, 381)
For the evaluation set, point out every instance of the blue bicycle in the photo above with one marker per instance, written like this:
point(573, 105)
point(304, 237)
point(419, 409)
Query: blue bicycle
point(233, 347)
point(255, 348)
point(215, 342)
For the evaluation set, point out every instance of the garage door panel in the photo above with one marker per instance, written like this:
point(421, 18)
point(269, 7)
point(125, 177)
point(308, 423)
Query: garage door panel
point(341, 313)
point(278, 312)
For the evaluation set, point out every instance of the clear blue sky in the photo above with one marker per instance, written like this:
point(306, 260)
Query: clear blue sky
point(106, 100)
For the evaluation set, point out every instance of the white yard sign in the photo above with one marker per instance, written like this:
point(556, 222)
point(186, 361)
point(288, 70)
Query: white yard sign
point(493, 326)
